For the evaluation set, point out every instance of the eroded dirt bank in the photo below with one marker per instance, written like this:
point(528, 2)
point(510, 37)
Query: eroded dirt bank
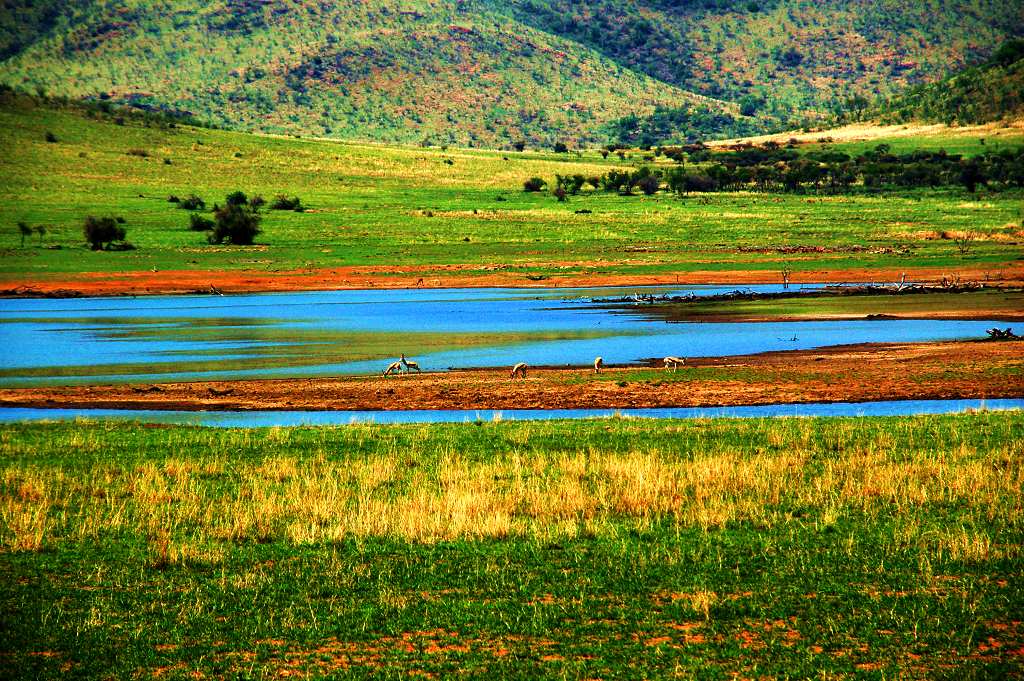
point(449, 276)
point(948, 370)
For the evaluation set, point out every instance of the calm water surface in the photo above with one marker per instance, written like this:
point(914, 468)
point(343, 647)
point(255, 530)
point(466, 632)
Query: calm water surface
point(92, 340)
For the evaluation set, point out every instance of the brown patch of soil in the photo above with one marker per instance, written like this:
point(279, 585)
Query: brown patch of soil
point(856, 373)
point(444, 276)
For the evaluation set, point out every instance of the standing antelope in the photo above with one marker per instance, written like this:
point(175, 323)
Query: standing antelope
point(674, 362)
point(409, 365)
point(518, 369)
point(393, 368)
point(598, 363)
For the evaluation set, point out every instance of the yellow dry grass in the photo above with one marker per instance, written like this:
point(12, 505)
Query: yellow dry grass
point(189, 508)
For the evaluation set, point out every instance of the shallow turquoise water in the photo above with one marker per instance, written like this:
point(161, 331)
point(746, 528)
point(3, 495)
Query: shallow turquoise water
point(161, 338)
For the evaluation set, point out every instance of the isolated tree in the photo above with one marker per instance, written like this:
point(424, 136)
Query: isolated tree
point(648, 184)
point(101, 232)
point(237, 224)
point(25, 231)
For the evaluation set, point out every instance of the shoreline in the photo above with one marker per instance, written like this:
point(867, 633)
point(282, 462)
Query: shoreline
point(395, 277)
point(853, 373)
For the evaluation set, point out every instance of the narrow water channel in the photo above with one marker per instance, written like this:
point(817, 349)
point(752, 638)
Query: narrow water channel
point(256, 419)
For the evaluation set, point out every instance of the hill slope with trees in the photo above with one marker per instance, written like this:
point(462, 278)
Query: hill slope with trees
point(991, 91)
point(496, 72)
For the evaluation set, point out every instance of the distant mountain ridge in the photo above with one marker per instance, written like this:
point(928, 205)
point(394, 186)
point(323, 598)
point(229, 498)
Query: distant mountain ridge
point(492, 72)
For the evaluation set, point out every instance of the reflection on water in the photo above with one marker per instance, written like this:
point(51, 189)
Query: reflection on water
point(254, 419)
point(336, 332)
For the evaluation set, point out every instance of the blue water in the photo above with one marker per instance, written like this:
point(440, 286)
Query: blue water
point(250, 419)
point(45, 333)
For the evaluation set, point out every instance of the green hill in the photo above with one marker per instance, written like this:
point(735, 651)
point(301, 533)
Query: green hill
point(783, 58)
point(495, 72)
point(991, 91)
point(397, 71)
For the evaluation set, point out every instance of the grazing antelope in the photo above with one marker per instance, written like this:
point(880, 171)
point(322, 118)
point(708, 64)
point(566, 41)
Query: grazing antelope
point(409, 365)
point(394, 368)
point(598, 363)
point(518, 369)
point(674, 362)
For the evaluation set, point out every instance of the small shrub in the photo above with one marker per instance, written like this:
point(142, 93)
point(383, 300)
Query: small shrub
point(193, 202)
point(50, 137)
point(100, 233)
point(559, 193)
point(561, 148)
point(534, 184)
point(237, 199)
point(238, 224)
point(282, 202)
point(167, 161)
point(141, 153)
point(198, 223)
point(257, 201)
point(173, 199)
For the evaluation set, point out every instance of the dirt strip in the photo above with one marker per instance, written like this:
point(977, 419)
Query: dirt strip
point(855, 373)
point(139, 283)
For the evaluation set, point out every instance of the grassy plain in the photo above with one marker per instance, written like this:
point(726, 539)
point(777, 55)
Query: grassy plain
point(710, 549)
point(425, 209)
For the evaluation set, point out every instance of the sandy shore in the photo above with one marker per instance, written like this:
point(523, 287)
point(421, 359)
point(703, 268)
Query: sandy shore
point(947, 370)
point(447, 276)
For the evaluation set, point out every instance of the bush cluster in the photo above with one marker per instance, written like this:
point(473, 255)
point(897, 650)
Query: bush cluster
point(192, 202)
point(776, 169)
point(282, 202)
point(102, 233)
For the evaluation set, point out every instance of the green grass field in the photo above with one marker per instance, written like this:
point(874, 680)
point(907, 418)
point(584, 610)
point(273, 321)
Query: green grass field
point(780, 548)
point(376, 205)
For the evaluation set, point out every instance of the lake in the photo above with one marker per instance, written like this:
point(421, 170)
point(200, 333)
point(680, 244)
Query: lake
point(196, 337)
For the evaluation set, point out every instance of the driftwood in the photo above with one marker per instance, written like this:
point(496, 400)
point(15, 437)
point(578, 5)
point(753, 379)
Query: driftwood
point(1002, 334)
point(902, 288)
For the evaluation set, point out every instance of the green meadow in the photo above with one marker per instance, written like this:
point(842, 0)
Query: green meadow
point(377, 205)
point(776, 548)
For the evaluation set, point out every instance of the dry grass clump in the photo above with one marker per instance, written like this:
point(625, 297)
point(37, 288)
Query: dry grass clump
point(428, 491)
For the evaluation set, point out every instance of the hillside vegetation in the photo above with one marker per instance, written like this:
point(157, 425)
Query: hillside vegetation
point(397, 71)
point(991, 91)
point(494, 73)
